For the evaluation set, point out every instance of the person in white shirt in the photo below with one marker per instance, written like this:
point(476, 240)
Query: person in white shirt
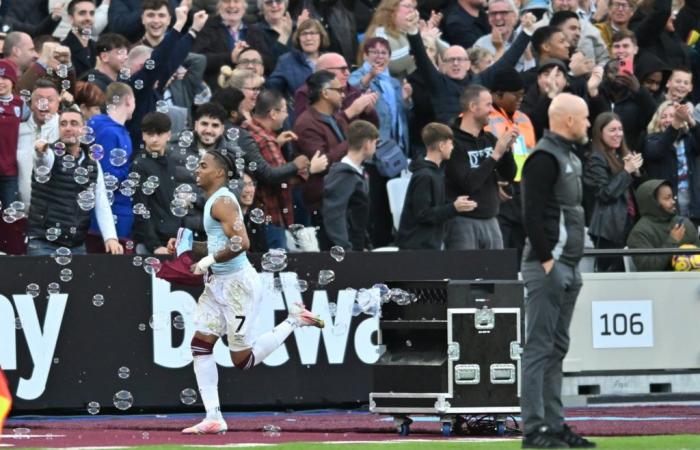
point(42, 124)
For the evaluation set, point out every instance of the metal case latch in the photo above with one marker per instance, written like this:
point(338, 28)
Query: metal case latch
point(515, 350)
point(453, 351)
point(467, 374)
point(484, 319)
point(502, 373)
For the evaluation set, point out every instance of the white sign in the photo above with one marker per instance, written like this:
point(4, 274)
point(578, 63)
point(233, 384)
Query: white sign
point(622, 324)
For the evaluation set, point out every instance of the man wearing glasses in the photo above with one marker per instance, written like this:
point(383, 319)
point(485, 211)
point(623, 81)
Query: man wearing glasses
point(364, 102)
point(503, 18)
point(619, 14)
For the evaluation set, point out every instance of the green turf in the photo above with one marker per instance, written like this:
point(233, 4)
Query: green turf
point(676, 442)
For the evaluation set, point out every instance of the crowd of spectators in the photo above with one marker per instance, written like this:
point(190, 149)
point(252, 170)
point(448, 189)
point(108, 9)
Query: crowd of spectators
point(107, 105)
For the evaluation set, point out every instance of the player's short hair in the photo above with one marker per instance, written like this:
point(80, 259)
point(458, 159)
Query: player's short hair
point(434, 133)
point(110, 41)
point(228, 98)
point(360, 131)
point(542, 36)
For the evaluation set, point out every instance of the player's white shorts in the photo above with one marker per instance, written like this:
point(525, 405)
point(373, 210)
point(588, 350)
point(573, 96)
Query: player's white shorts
point(229, 305)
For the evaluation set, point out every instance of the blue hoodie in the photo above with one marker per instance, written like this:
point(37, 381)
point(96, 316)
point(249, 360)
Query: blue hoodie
point(110, 135)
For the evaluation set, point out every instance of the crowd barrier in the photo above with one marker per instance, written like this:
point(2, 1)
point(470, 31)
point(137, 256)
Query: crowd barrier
point(62, 350)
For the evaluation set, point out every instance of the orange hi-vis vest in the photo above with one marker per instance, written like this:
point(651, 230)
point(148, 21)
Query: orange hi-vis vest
point(499, 122)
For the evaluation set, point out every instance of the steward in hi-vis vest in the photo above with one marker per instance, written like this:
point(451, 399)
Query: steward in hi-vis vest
point(508, 91)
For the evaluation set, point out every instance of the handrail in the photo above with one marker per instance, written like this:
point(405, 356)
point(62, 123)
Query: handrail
point(639, 251)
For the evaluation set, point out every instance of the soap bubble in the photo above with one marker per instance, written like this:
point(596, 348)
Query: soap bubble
point(111, 182)
point(232, 134)
point(303, 285)
point(271, 430)
point(162, 106)
point(68, 162)
point(63, 256)
point(188, 396)
point(117, 157)
point(138, 260)
point(86, 200)
point(66, 275)
point(53, 288)
point(191, 162)
point(123, 372)
point(81, 175)
point(178, 207)
point(179, 322)
point(53, 233)
point(93, 408)
point(257, 216)
point(325, 277)
point(97, 152)
point(98, 300)
point(123, 400)
point(138, 84)
point(274, 260)
point(42, 174)
point(33, 290)
point(59, 149)
point(337, 253)
point(149, 64)
point(152, 265)
point(236, 243)
point(128, 187)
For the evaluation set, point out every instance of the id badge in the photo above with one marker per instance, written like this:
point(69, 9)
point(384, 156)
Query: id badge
point(519, 147)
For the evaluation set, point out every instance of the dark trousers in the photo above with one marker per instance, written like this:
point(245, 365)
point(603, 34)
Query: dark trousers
point(9, 190)
point(610, 263)
point(549, 306)
point(380, 223)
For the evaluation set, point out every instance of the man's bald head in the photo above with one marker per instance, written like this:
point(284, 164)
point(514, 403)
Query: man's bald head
point(568, 117)
point(336, 64)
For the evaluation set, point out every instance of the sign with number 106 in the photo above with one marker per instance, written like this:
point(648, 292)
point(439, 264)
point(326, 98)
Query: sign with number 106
point(622, 324)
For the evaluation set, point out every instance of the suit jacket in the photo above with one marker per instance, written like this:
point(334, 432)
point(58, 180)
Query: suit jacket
point(315, 133)
point(216, 43)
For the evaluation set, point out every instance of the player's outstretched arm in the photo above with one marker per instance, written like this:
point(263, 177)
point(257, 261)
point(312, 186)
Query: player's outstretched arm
point(226, 212)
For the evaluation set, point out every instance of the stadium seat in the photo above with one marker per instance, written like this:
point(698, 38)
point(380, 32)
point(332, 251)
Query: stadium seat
point(396, 190)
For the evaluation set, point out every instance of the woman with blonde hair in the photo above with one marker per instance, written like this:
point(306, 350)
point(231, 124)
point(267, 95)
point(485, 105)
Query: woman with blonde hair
point(611, 173)
point(391, 22)
point(671, 152)
point(480, 59)
point(247, 82)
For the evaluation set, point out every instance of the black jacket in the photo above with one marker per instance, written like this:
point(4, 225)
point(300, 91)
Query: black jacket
point(472, 171)
point(162, 224)
point(647, 63)
point(346, 207)
point(425, 209)
point(83, 58)
point(263, 38)
point(610, 219)
point(216, 43)
point(635, 111)
point(652, 36)
point(461, 28)
point(445, 91)
point(661, 162)
point(99, 79)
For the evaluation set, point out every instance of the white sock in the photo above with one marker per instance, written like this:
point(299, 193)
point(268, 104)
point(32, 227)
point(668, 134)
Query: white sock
point(268, 342)
point(207, 375)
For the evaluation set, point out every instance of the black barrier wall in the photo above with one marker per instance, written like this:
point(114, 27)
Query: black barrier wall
point(61, 351)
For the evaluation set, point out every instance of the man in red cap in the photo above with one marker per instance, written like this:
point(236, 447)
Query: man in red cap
point(11, 112)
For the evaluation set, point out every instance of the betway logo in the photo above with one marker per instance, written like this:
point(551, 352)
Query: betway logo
point(42, 340)
point(42, 344)
point(335, 334)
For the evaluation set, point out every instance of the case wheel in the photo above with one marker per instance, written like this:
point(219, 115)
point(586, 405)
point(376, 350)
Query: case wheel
point(403, 425)
point(446, 428)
